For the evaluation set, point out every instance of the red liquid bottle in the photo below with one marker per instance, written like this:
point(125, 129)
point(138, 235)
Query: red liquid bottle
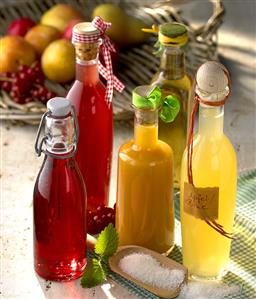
point(94, 110)
point(59, 198)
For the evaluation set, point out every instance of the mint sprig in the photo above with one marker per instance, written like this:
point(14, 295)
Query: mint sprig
point(106, 245)
point(107, 242)
point(93, 274)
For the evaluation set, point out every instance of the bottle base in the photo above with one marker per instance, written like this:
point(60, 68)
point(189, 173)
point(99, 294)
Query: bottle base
point(60, 271)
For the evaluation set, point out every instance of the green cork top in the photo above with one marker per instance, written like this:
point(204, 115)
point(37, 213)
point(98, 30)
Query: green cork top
point(172, 29)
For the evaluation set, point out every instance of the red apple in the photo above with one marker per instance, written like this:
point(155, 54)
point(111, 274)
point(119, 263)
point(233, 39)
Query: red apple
point(67, 34)
point(20, 26)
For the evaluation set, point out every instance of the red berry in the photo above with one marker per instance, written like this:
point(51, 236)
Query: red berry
point(14, 94)
point(7, 86)
point(23, 68)
point(49, 95)
point(13, 75)
point(34, 93)
point(39, 80)
point(31, 74)
point(18, 99)
point(95, 218)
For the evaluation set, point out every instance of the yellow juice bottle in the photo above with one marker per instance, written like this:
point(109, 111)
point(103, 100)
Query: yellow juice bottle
point(145, 209)
point(211, 201)
point(173, 79)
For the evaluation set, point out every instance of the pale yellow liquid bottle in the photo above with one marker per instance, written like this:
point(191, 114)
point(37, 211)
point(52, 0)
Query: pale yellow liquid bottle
point(206, 251)
point(145, 208)
point(173, 79)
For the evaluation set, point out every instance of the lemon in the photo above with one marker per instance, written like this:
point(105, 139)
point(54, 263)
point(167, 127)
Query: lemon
point(58, 61)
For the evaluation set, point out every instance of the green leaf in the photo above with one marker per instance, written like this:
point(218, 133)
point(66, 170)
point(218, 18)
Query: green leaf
point(107, 242)
point(170, 108)
point(93, 274)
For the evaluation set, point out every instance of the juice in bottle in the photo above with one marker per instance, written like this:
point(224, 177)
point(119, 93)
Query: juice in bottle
point(206, 245)
point(59, 200)
point(173, 79)
point(145, 210)
point(94, 109)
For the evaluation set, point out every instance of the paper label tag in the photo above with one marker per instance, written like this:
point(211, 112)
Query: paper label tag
point(202, 203)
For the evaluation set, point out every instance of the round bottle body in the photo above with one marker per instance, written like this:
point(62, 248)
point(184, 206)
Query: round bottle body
point(59, 206)
point(145, 208)
point(206, 251)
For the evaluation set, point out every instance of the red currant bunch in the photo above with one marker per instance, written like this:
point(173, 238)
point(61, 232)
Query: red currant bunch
point(98, 219)
point(26, 85)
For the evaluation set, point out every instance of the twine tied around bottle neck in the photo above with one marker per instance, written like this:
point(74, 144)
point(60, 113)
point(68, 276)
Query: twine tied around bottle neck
point(106, 47)
point(197, 100)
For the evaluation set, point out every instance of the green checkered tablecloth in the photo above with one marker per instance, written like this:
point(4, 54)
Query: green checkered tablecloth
point(242, 268)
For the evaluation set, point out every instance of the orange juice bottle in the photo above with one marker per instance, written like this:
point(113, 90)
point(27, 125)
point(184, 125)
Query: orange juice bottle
point(145, 209)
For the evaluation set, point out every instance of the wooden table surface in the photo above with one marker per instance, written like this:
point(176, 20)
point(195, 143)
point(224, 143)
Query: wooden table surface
point(19, 168)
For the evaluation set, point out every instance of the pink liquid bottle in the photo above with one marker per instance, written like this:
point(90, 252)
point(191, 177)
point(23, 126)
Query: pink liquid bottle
point(59, 197)
point(93, 103)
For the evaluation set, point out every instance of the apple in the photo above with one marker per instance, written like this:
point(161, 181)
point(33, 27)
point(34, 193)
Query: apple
point(67, 34)
point(40, 36)
point(20, 26)
point(15, 50)
point(59, 16)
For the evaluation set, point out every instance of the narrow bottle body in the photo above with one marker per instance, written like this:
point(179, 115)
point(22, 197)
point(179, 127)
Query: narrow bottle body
point(59, 220)
point(172, 79)
point(206, 251)
point(145, 209)
point(94, 155)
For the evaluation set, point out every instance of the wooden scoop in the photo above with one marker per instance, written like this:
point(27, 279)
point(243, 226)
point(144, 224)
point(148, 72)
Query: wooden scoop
point(163, 260)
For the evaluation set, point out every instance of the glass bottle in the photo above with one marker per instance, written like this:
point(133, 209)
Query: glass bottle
point(94, 154)
point(59, 198)
point(144, 208)
point(209, 203)
point(173, 79)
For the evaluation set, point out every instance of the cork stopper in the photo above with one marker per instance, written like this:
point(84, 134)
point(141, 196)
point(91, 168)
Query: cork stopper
point(212, 81)
point(86, 39)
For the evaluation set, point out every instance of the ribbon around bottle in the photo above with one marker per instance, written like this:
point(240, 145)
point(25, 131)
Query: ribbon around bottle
point(107, 47)
point(169, 106)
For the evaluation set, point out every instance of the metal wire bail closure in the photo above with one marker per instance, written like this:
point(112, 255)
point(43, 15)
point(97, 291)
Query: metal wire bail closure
point(39, 143)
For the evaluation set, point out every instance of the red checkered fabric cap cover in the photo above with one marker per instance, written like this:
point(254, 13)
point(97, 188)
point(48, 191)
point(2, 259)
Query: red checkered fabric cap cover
point(106, 47)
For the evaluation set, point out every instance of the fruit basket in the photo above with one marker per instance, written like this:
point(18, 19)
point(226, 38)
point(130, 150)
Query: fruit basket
point(136, 65)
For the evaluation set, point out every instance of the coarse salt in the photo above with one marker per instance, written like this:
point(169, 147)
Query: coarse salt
point(208, 290)
point(148, 270)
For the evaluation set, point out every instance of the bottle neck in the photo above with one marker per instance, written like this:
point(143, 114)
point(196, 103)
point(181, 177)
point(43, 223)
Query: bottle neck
point(146, 128)
point(172, 63)
point(60, 135)
point(211, 121)
point(87, 71)
point(87, 62)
